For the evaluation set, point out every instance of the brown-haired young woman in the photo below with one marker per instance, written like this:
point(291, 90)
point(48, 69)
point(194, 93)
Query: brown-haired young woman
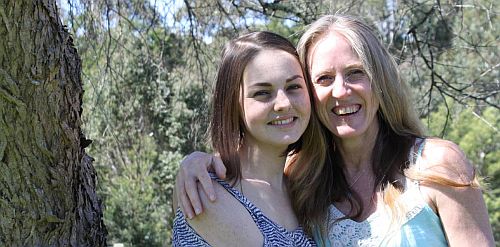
point(261, 111)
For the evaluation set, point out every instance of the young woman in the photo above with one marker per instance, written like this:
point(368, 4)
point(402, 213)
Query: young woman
point(261, 112)
point(383, 183)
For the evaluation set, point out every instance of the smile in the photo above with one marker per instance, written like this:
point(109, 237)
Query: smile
point(282, 121)
point(346, 110)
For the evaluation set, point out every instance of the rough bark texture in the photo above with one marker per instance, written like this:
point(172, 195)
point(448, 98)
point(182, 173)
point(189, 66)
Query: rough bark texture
point(47, 182)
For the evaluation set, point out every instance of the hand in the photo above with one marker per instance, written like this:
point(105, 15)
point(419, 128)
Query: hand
point(194, 168)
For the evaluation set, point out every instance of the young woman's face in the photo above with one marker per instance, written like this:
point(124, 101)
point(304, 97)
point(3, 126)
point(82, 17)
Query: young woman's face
point(274, 99)
point(345, 102)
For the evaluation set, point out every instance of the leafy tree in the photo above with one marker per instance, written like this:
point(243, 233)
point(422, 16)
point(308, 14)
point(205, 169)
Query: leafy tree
point(145, 111)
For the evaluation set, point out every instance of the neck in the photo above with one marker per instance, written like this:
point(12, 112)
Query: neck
point(357, 151)
point(263, 164)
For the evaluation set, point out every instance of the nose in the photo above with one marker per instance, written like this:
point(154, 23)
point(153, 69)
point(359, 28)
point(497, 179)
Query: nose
point(340, 88)
point(282, 102)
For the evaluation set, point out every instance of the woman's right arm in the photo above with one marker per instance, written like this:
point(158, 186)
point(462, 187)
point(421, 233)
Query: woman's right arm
point(194, 168)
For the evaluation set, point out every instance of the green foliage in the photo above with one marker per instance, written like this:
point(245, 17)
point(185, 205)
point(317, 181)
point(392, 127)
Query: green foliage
point(134, 214)
point(290, 30)
point(143, 115)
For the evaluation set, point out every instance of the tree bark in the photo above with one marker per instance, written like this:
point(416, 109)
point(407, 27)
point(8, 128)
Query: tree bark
point(47, 181)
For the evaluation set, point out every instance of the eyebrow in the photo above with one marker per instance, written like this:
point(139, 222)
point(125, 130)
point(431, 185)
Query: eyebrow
point(267, 84)
point(293, 78)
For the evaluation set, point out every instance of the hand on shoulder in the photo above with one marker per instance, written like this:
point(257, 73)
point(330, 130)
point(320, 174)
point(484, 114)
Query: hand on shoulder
point(193, 171)
point(225, 221)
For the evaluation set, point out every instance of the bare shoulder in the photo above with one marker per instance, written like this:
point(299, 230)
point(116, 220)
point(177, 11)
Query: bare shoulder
point(225, 221)
point(446, 159)
point(461, 209)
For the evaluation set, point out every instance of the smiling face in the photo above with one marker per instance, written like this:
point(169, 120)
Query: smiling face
point(274, 99)
point(345, 102)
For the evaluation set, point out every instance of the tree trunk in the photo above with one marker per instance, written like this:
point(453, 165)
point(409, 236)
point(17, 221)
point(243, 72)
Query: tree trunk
point(47, 181)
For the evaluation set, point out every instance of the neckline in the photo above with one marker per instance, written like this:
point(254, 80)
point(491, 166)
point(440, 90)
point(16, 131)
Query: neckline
point(415, 208)
point(338, 214)
point(410, 185)
point(255, 212)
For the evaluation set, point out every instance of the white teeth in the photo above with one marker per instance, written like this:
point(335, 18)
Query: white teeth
point(281, 122)
point(346, 110)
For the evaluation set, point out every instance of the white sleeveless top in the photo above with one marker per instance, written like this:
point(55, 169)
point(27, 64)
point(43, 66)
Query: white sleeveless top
point(420, 225)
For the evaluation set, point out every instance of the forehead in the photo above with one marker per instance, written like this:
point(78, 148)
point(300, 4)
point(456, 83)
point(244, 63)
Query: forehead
point(331, 50)
point(271, 66)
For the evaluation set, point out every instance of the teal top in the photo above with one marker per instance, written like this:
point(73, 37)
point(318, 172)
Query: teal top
point(420, 226)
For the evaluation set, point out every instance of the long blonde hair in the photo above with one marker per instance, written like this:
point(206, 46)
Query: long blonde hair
point(399, 130)
point(399, 123)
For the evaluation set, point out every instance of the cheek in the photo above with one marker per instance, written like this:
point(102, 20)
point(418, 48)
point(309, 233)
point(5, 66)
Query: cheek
point(249, 113)
point(305, 103)
point(321, 97)
point(371, 98)
point(321, 94)
point(322, 110)
point(306, 108)
point(372, 103)
point(375, 106)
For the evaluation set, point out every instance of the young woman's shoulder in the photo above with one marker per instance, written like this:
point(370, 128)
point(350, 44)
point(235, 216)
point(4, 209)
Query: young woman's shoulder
point(446, 159)
point(226, 221)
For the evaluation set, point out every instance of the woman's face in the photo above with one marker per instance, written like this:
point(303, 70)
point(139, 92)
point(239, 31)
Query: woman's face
point(344, 98)
point(274, 99)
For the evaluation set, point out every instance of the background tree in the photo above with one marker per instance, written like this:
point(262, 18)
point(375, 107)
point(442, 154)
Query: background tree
point(47, 183)
point(145, 110)
point(149, 66)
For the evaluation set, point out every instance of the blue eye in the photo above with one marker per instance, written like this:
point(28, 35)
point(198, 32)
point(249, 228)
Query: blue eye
point(355, 74)
point(325, 80)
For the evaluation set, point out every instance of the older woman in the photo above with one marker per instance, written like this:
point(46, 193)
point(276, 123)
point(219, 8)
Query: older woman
point(384, 183)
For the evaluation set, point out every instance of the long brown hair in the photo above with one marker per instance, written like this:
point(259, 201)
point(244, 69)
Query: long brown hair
point(227, 129)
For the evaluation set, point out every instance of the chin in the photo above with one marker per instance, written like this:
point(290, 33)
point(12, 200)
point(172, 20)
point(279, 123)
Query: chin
point(288, 140)
point(345, 132)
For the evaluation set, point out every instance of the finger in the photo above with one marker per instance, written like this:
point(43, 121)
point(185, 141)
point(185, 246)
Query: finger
point(207, 185)
point(194, 198)
point(219, 167)
point(186, 208)
point(183, 201)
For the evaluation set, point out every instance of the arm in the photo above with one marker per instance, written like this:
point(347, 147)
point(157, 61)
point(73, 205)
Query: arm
point(462, 210)
point(225, 222)
point(195, 168)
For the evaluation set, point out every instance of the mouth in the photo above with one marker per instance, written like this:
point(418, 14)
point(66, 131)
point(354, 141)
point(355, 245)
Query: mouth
point(346, 110)
point(281, 122)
